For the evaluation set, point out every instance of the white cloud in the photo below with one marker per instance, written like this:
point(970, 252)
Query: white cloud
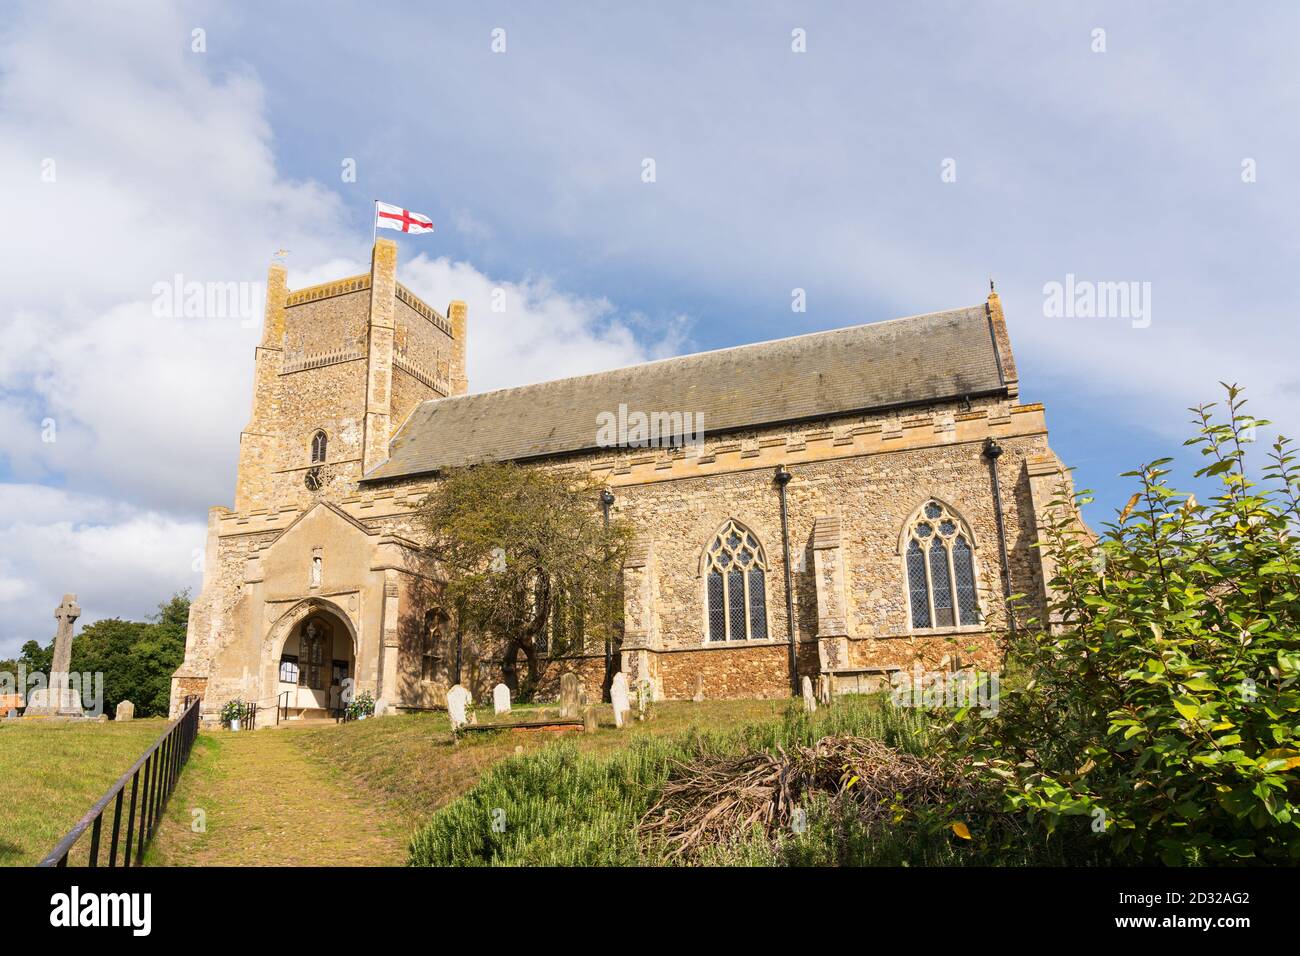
point(118, 560)
point(163, 167)
point(527, 331)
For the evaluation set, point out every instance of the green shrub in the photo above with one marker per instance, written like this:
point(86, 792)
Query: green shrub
point(1161, 716)
point(561, 807)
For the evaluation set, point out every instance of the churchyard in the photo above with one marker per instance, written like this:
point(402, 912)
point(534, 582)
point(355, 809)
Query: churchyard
point(53, 770)
point(355, 794)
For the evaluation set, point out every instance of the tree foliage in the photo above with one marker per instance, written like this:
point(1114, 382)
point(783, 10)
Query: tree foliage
point(1164, 707)
point(527, 560)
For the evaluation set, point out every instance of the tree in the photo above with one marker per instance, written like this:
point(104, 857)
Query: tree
point(1164, 708)
point(526, 560)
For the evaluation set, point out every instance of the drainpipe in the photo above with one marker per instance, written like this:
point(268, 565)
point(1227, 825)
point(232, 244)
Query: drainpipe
point(782, 479)
point(607, 502)
point(993, 451)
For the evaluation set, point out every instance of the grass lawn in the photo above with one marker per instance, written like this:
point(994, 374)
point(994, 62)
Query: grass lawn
point(53, 771)
point(413, 766)
point(356, 793)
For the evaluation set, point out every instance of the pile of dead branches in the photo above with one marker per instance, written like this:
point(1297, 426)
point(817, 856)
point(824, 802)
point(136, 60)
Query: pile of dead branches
point(716, 800)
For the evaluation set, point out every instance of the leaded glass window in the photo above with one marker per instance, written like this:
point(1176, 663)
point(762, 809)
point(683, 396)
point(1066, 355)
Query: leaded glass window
point(433, 644)
point(940, 568)
point(311, 647)
point(735, 570)
point(319, 444)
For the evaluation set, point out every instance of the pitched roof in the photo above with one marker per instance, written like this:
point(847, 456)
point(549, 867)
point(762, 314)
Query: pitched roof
point(922, 359)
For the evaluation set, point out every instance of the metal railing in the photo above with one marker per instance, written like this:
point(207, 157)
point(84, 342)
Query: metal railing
point(152, 779)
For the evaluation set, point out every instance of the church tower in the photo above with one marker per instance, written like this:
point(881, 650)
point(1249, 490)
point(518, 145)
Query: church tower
point(339, 367)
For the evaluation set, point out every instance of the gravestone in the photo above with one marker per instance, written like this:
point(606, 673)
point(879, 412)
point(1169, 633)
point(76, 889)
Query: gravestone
point(619, 698)
point(590, 720)
point(125, 711)
point(457, 700)
point(501, 699)
point(698, 696)
point(58, 699)
point(644, 695)
point(809, 701)
point(569, 695)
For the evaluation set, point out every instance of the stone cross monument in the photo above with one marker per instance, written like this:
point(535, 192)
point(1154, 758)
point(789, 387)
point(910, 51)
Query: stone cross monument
point(59, 698)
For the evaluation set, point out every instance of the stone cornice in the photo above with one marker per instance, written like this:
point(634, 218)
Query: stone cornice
point(327, 290)
point(419, 305)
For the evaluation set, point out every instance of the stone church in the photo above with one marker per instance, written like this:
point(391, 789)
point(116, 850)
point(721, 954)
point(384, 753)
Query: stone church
point(859, 500)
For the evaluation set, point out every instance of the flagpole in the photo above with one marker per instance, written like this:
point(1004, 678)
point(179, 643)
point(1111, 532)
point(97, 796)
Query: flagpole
point(374, 223)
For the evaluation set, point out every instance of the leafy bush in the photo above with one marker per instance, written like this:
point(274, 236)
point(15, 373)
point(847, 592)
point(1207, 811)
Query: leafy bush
point(362, 705)
point(561, 807)
point(1161, 710)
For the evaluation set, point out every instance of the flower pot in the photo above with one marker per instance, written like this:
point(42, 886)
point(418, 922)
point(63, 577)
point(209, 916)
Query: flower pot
point(234, 724)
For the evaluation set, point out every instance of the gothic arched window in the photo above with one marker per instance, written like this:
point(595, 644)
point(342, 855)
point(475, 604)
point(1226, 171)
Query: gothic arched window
point(940, 566)
point(433, 643)
point(318, 445)
point(735, 575)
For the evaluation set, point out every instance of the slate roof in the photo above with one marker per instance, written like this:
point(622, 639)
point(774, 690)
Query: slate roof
point(917, 360)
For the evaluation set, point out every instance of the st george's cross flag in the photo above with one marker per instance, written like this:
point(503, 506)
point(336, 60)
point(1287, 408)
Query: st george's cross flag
point(403, 220)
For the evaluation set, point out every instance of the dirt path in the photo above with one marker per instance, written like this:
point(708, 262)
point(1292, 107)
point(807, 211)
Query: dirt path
point(263, 803)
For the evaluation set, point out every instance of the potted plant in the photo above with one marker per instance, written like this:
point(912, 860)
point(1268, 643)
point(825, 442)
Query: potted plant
point(361, 706)
point(232, 712)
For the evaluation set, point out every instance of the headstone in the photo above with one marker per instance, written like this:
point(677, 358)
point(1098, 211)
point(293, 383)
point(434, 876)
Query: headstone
point(698, 696)
point(457, 700)
point(644, 695)
point(125, 711)
point(58, 698)
point(569, 695)
point(501, 699)
point(590, 720)
point(619, 698)
point(809, 701)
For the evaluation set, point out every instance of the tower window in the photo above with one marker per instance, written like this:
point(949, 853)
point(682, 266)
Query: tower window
point(318, 446)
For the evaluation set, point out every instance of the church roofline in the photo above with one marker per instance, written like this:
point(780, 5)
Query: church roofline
point(872, 367)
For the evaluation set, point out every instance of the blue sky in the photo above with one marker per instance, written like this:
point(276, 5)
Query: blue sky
point(775, 170)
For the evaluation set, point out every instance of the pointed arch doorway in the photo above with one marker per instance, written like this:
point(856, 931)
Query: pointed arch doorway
point(317, 662)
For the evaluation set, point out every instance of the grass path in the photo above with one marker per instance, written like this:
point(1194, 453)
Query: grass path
point(355, 794)
point(265, 803)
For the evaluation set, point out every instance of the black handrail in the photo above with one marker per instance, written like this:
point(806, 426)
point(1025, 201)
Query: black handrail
point(161, 765)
